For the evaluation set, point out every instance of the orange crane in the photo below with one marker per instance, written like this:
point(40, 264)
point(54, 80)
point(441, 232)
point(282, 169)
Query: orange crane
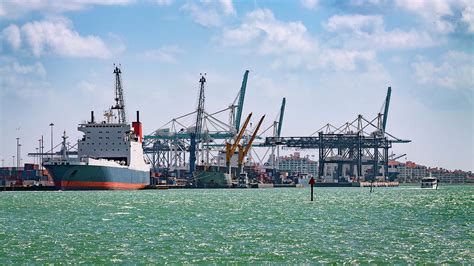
point(230, 148)
point(243, 151)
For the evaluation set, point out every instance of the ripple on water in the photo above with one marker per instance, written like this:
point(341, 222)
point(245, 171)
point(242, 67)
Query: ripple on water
point(343, 225)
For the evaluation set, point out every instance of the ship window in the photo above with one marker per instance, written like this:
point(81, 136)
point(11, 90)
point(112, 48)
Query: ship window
point(88, 132)
point(106, 131)
point(100, 131)
point(106, 150)
point(126, 149)
point(100, 149)
point(99, 143)
point(88, 137)
point(94, 149)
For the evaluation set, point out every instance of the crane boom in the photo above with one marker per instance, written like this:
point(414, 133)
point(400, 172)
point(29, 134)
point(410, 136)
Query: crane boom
point(249, 145)
point(241, 101)
point(398, 157)
point(282, 112)
point(385, 112)
point(231, 148)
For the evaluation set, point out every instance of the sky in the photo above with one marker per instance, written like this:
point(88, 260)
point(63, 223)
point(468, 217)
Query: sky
point(332, 60)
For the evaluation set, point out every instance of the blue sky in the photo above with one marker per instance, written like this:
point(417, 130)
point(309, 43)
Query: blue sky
point(331, 59)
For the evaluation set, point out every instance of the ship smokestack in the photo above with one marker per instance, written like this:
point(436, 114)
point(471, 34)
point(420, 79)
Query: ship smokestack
point(137, 127)
point(92, 117)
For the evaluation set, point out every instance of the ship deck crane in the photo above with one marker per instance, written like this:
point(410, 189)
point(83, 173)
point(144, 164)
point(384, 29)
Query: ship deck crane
point(230, 148)
point(119, 101)
point(243, 151)
point(196, 135)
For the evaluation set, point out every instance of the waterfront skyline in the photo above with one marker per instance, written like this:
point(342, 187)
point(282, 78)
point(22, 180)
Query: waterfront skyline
point(331, 61)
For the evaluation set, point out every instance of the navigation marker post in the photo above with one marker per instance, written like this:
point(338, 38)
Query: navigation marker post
point(312, 182)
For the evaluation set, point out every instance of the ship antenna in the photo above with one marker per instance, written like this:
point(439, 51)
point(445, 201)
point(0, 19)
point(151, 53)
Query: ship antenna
point(119, 101)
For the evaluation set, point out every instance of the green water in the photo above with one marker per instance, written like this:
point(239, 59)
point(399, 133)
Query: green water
point(391, 225)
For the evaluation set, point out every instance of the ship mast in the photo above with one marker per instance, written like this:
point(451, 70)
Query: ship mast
point(119, 101)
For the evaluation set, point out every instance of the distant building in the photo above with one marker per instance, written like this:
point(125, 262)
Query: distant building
point(411, 172)
point(456, 176)
point(295, 164)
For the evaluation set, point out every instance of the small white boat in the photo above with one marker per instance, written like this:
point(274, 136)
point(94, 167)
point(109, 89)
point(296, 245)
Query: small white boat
point(429, 182)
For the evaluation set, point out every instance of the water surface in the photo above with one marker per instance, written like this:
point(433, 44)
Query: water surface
point(391, 225)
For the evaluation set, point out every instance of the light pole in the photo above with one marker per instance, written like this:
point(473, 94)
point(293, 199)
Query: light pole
point(42, 151)
point(13, 161)
point(17, 152)
point(51, 125)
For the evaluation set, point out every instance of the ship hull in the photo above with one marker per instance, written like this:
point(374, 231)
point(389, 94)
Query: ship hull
point(88, 177)
point(205, 179)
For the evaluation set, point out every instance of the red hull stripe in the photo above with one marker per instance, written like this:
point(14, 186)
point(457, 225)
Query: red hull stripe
point(100, 185)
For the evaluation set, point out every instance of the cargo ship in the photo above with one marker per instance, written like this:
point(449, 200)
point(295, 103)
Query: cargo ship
point(109, 155)
point(212, 178)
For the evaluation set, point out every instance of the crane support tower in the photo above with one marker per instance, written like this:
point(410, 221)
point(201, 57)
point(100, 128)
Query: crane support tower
point(196, 135)
point(357, 149)
point(119, 101)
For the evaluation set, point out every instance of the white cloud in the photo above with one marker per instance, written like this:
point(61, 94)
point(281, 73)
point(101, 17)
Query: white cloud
point(368, 32)
point(36, 69)
point(165, 54)
point(209, 13)
point(342, 59)
point(354, 23)
point(23, 80)
point(87, 87)
point(16, 9)
point(445, 15)
point(276, 37)
point(468, 17)
point(309, 4)
point(292, 45)
point(365, 2)
point(228, 7)
point(202, 16)
point(12, 35)
point(163, 2)
point(426, 8)
point(57, 36)
point(456, 71)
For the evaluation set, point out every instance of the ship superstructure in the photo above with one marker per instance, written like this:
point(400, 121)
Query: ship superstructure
point(109, 155)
